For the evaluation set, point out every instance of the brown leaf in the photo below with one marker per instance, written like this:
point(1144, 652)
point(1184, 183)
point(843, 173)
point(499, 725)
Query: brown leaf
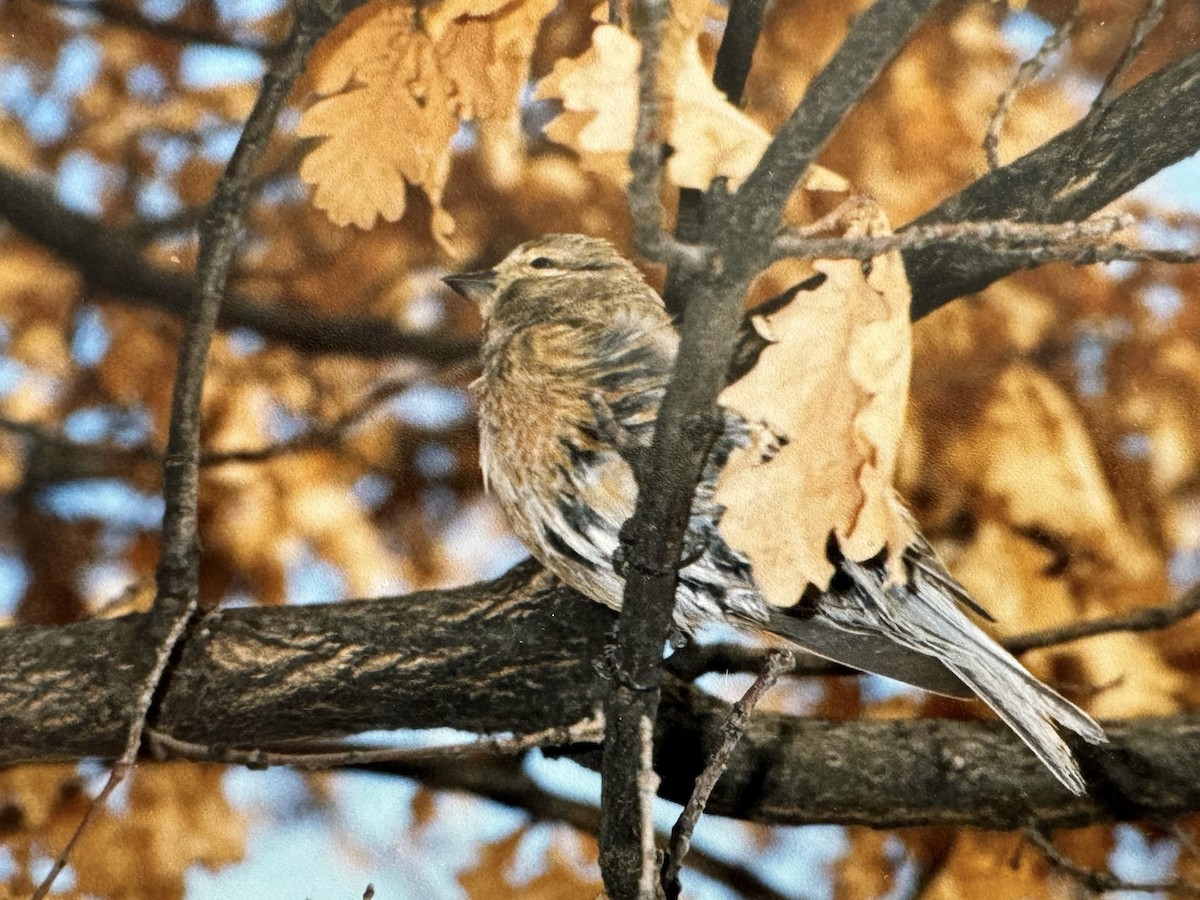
point(840, 358)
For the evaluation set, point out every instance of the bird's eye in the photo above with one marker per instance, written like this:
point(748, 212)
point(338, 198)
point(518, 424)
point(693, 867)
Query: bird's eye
point(541, 263)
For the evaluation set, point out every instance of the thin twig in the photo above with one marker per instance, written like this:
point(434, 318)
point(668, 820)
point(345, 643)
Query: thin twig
point(1029, 70)
point(1066, 179)
point(1153, 618)
point(1099, 881)
point(125, 764)
point(178, 571)
point(586, 731)
point(778, 663)
point(1151, 15)
point(1070, 240)
point(646, 157)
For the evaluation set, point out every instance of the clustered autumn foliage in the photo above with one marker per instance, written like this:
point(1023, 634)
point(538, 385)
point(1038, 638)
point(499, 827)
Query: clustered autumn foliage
point(1051, 447)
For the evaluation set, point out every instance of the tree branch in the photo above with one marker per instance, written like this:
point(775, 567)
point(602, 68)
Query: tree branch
point(742, 228)
point(1068, 178)
point(179, 563)
point(113, 262)
point(265, 677)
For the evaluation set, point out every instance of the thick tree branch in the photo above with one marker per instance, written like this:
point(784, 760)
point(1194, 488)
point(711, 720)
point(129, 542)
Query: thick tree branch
point(265, 677)
point(112, 262)
point(741, 228)
point(1070, 177)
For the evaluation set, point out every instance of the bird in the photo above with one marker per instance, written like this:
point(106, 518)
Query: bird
point(576, 354)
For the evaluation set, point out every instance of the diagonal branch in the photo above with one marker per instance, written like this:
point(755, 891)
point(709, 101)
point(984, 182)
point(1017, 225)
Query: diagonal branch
point(1066, 179)
point(112, 262)
point(874, 39)
point(179, 563)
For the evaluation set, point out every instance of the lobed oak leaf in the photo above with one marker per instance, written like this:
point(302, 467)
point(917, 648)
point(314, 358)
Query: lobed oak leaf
point(710, 137)
point(396, 83)
point(599, 91)
point(384, 73)
point(844, 352)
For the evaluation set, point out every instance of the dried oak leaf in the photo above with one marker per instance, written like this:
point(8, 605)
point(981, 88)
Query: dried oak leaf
point(395, 85)
point(834, 385)
point(599, 91)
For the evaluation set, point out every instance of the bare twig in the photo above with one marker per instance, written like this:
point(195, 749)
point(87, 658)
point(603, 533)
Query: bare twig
point(1028, 71)
point(646, 157)
point(1098, 881)
point(1152, 618)
point(1068, 241)
point(178, 571)
point(586, 731)
point(778, 662)
point(1151, 15)
point(125, 764)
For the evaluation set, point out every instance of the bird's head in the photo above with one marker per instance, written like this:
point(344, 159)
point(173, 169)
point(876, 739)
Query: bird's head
point(547, 277)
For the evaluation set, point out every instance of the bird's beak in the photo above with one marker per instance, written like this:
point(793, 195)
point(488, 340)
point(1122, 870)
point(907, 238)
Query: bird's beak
point(475, 286)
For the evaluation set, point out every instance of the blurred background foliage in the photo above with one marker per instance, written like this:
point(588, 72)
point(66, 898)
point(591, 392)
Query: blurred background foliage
point(1052, 451)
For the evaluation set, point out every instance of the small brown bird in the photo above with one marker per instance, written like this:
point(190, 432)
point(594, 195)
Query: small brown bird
point(577, 352)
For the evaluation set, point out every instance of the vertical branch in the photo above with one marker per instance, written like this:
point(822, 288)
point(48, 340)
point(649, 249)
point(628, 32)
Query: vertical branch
point(743, 227)
point(1028, 70)
point(729, 76)
point(737, 48)
point(179, 566)
point(646, 19)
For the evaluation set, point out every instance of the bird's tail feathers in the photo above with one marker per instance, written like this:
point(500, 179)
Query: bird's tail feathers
point(917, 633)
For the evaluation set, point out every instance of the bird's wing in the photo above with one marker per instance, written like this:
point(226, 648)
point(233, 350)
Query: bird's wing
point(618, 374)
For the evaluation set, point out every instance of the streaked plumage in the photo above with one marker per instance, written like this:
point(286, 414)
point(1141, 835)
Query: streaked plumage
point(576, 345)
